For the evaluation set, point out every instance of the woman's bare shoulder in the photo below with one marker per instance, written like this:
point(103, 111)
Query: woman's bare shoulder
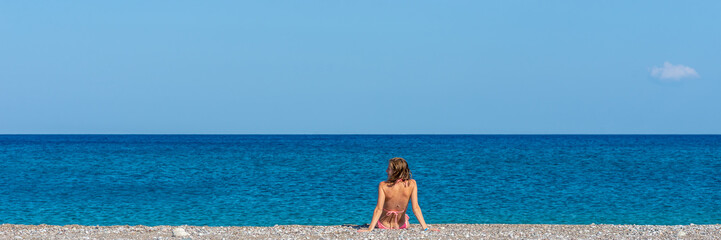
point(412, 182)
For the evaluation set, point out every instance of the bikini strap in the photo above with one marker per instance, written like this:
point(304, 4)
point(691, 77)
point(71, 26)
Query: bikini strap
point(395, 213)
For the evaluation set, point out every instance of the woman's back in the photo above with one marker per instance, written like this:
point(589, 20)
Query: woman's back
point(397, 197)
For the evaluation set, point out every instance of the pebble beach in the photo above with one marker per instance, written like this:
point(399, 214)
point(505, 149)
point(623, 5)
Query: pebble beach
point(447, 231)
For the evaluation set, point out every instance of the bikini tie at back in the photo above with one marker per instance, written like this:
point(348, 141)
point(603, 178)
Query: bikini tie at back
point(395, 213)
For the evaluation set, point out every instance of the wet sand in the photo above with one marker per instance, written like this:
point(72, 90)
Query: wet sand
point(447, 231)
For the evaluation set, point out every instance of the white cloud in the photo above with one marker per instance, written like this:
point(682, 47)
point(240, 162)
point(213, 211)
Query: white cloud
point(670, 72)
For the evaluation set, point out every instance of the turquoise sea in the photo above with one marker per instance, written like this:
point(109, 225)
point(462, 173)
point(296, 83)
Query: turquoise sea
point(263, 180)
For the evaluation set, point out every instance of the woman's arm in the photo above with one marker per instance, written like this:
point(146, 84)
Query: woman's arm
point(417, 208)
point(379, 208)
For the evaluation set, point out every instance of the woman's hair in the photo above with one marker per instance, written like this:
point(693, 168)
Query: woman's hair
point(399, 166)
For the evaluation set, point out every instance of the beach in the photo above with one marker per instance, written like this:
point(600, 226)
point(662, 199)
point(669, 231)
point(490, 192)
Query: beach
point(447, 231)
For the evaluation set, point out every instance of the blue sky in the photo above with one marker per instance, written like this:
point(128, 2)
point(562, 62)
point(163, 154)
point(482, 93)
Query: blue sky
point(337, 67)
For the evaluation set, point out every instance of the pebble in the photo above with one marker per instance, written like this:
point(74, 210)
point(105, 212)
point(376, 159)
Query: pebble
point(180, 232)
point(447, 231)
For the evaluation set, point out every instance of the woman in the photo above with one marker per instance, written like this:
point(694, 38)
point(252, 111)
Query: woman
point(393, 196)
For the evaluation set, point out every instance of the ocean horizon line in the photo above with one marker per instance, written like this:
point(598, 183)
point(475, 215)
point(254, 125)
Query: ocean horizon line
point(368, 134)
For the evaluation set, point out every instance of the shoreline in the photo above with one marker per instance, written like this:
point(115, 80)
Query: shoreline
point(447, 231)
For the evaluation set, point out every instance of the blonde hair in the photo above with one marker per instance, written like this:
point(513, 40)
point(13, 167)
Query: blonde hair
point(400, 169)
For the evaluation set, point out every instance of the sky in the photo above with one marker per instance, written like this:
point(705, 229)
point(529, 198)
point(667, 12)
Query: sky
point(360, 67)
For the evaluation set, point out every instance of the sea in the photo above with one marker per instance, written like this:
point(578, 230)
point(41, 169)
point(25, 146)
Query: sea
point(266, 180)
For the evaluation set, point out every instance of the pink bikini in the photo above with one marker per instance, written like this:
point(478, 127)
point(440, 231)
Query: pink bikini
point(395, 217)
